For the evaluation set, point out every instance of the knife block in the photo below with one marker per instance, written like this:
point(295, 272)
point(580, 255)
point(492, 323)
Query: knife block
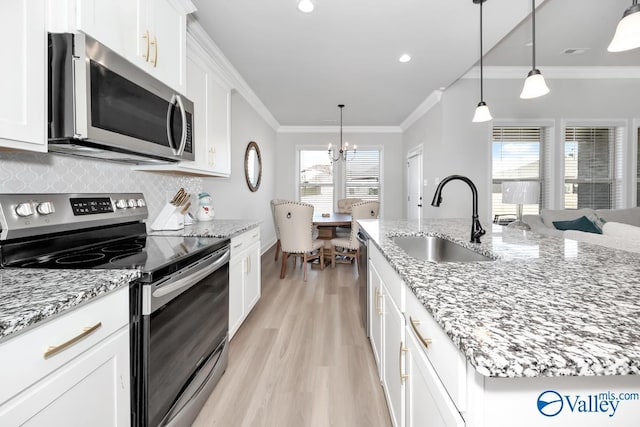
point(169, 218)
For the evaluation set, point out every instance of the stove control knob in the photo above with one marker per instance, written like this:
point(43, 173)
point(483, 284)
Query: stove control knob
point(132, 203)
point(141, 203)
point(45, 208)
point(121, 204)
point(24, 209)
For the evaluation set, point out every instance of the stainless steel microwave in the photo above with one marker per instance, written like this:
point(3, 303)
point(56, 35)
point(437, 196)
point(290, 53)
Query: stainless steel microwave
point(103, 106)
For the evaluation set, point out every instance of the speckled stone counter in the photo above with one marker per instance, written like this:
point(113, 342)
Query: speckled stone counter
point(545, 307)
point(29, 296)
point(216, 228)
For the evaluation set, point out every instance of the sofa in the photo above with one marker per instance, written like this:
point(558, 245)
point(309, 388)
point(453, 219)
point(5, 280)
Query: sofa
point(618, 228)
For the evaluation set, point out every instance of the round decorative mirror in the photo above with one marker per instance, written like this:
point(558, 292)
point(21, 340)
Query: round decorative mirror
point(253, 166)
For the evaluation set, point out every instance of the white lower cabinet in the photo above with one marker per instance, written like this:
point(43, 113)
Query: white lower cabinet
point(84, 383)
point(244, 277)
point(394, 360)
point(427, 401)
point(376, 330)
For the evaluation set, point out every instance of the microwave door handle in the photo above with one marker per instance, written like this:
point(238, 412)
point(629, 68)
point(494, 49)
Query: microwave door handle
point(183, 116)
point(172, 144)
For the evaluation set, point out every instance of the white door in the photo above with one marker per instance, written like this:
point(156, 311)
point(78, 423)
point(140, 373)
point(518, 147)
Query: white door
point(414, 186)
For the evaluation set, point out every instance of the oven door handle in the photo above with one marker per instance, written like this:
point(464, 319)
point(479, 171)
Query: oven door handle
point(192, 278)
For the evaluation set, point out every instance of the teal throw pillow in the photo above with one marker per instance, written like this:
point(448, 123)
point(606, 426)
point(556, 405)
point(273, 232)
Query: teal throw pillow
point(580, 224)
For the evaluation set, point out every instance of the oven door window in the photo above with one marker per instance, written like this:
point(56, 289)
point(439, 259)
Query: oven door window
point(182, 334)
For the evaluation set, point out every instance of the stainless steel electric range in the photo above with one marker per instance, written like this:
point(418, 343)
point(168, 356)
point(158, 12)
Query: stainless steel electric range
point(179, 306)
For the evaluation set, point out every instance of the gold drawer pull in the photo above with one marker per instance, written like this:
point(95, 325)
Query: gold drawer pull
point(379, 301)
point(54, 349)
point(403, 350)
point(414, 324)
point(155, 54)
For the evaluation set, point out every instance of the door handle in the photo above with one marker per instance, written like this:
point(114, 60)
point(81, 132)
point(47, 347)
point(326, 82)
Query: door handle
point(177, 99)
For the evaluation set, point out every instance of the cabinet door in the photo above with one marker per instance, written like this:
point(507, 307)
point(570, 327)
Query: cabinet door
point(427, 401)
point(394, 363)
point(114, 23)
point(252, 282)
point(376, 307)
point(168, 34)
point(91, 390)
point(23, 114)
point(236, 294)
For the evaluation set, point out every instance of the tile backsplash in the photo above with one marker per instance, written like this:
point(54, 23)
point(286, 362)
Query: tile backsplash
point(22, 172)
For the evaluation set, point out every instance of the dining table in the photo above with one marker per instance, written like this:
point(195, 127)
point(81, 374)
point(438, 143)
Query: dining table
point(327, 223)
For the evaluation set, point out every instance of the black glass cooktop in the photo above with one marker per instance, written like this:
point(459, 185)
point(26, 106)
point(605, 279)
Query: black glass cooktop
point(145, 253)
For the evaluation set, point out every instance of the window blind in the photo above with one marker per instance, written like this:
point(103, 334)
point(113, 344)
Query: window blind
point(589, 168)
point(517, 154)
point(316, 180)
point(362, 175)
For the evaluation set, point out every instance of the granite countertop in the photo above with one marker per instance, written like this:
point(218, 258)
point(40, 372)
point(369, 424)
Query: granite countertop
point(217, 228)
point(29, 296)
point(547, 306)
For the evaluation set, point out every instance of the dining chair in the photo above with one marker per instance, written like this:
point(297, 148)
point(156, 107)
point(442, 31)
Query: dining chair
point(275, 202)
point(295, 224)
point(344, 205)
point(350, 247)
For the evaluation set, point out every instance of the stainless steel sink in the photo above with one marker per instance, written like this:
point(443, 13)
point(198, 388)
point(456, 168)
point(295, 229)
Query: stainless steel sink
point(436, 249)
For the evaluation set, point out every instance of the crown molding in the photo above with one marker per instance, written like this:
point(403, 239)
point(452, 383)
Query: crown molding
point(432, 100)
point(228, 71)
point(551, 72)
point(335, 129)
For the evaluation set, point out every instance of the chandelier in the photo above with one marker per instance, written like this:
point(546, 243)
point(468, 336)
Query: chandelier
point(344, 151)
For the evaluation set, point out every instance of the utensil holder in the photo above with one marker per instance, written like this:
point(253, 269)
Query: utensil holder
point(169, 218)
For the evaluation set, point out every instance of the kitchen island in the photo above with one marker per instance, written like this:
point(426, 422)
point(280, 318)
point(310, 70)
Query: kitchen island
point(545, 309)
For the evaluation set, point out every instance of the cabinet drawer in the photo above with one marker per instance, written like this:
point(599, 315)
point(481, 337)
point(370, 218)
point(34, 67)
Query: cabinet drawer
point(22, 359)
point(243, 241)
point(448, 362)
point(391, 279)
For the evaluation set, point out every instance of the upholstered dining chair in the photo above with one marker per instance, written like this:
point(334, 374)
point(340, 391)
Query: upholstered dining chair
point(344, 205)
point(275, 202)
point(350, 247)
point(294, 221)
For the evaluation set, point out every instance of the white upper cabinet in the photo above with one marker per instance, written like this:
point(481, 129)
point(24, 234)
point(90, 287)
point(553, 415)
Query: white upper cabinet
point(23, 114)
point(211, 96)
point(149, 33)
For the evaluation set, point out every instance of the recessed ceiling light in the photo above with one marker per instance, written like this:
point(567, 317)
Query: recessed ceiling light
point(305, 6)
point(404, 58)
point(529, 43)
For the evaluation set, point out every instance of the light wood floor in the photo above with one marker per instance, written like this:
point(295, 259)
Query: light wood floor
point(301, 358)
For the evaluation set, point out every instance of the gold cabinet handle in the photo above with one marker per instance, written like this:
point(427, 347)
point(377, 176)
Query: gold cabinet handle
point(155, 52)
point(403, 350)
point(379, 296)
point(414, 324)
point(55, 349)
point(146, 37)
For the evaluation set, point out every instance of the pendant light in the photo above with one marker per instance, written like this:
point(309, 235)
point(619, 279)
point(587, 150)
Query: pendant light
point(534, 85)
point(627, 34)
point(482, 113)
point(343, 152)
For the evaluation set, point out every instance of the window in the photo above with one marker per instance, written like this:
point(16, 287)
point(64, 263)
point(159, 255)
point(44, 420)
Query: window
point(316, 179)
point(516, 156)
point(363, 175)
point(589, 168)
point(322, 182)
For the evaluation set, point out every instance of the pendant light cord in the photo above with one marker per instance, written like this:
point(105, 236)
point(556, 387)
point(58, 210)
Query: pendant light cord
point(533, 32)
point(481, 76)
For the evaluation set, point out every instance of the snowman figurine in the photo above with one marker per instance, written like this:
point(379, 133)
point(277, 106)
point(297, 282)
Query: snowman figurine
point(205, 207)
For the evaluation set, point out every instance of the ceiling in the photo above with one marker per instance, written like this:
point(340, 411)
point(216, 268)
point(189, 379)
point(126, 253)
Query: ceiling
point(302, 65)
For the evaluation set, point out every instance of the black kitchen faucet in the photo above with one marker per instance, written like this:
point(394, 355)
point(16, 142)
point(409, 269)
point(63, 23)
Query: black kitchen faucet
point(476, 228)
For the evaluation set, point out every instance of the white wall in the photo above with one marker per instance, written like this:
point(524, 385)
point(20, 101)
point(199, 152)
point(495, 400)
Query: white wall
point(232, 198)
point(392, 164)
point(455, 145)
